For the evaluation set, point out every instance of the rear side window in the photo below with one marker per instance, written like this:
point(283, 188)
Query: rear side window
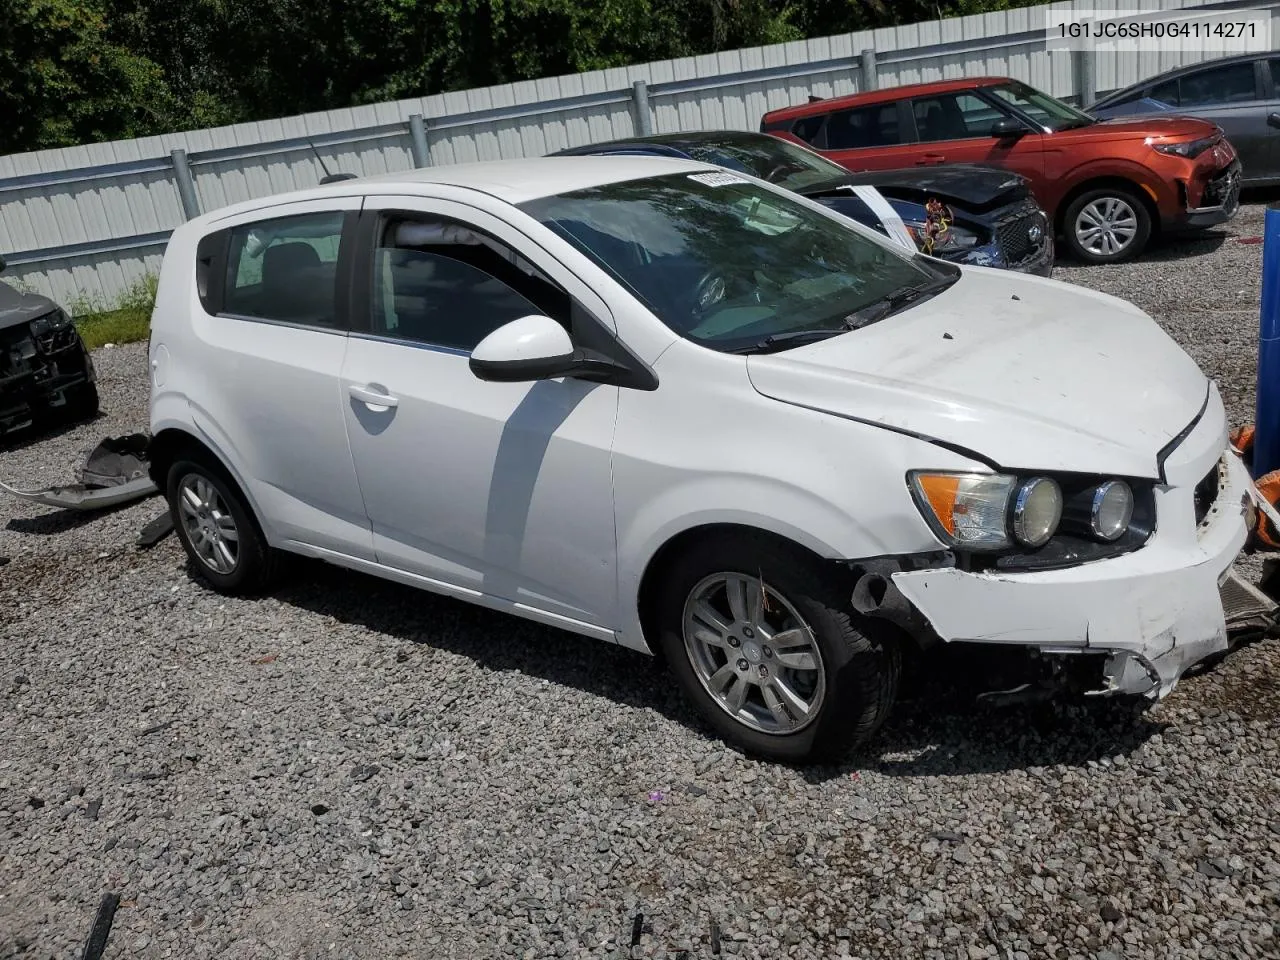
point(875, 126)
point(1235, 83)
point(953, 116)
point(1275, 76)
point(1166, 92)
point(285, 270)
point(807, 128)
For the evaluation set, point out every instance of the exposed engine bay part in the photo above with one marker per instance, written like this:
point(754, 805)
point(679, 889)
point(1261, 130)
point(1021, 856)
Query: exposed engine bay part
point(115, 472)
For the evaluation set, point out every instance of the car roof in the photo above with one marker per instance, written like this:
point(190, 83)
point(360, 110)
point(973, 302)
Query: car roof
point(1182, 72)
point(888, 94)
point(512, 181)
point(670, 140)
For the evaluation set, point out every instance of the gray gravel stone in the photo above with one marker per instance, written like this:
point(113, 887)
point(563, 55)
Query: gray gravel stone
point(509, 809)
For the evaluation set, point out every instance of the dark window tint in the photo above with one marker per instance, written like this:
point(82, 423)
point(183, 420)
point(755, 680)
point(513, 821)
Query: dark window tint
point(1275, 76)
point(1231, 84)
point(285, 269)
point(443, 283)
point(953, 116)
point(807, 128)
point(866, 127)
point(1166, 92)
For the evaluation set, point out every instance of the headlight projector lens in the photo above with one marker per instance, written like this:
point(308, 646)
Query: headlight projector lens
point(1037, 508)
point(1112, 510)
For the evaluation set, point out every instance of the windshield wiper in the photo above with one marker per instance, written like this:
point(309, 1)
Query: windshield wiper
point(894, 302)
point(862, 317)
point(794, 338)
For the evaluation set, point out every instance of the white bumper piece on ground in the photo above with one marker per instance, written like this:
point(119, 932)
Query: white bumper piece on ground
point(1156, 611)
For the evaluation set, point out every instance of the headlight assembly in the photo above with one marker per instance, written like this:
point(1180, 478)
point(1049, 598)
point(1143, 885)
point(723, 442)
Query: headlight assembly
point(967, 510)
point(1001, 513)
point(1036, 511)
point(50, 322)
point(1190, 149)
point(1111, 510)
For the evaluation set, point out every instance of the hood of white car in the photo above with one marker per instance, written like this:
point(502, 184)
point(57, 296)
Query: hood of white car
point(1028, 373)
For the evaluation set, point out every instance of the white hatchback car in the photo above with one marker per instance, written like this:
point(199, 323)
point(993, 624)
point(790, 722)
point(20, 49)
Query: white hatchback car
point(684, 411)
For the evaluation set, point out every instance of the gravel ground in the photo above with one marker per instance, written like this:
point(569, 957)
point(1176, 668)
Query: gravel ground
point(352, 769)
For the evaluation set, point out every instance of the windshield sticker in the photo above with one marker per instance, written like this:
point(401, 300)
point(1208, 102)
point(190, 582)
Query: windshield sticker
point(717, 179)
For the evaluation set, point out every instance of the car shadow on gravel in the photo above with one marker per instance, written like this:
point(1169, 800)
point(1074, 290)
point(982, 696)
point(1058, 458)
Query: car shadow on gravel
point(938, 728)
point(41, 431)
point(61, 521)
point(495, 641)
point(943, 729)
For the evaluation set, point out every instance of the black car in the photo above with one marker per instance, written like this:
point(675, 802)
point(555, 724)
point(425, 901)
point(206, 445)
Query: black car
point(962, 213)
point(45, 369)
point(1241, 94)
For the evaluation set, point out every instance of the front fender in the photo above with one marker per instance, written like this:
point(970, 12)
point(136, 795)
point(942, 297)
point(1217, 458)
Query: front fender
point(1155, 187)
point(708, 449)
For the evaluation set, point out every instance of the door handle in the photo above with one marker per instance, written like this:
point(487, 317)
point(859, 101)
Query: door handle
point(366, 394)
point(1273, 119)
point(930, 158)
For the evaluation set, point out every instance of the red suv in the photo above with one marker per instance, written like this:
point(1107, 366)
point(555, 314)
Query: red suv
point(1107, 184)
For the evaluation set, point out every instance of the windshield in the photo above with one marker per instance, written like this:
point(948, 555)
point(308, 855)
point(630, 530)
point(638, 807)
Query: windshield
point(727, 262)
point(772, 160)
point(1040, 107)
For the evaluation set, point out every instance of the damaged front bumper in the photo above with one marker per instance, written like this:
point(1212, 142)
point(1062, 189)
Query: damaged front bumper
point(114, 473)
point(1152, 613)
point(40, 371)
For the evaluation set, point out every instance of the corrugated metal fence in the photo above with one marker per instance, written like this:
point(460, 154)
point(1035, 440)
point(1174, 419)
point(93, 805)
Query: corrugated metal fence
point(83, 224)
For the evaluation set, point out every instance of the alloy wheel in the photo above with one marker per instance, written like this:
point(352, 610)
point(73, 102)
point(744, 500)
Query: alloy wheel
point(208, 523)
point(753, 653)
point(1106, 226)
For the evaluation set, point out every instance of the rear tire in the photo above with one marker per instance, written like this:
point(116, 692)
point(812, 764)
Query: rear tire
point(1107, 225)
point(223, 541)
point(831, 676)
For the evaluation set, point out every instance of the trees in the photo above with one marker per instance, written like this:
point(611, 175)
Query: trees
point(77, 71)
point(63, 80)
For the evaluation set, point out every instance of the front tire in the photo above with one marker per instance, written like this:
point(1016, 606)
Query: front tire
point(223, 541)
point(762, 639)
point(1107, 225)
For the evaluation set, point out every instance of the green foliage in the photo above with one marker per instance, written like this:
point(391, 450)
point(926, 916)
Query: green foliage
point(78, 71)
point(127, 320)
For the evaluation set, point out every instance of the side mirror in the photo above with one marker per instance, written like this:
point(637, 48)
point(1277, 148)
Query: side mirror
point(531, 348)
point(1007, 127)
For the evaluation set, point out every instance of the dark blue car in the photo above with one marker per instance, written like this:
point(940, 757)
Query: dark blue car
point(962, 213)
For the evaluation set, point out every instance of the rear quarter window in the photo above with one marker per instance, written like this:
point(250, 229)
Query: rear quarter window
point(874, 126)
point(807, 128)
point(285, 270)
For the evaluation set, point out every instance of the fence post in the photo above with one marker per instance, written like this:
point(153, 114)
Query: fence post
point(1266, 438)
point(870, 80)
point(1085, 68)
point(418, 145)
point(186, 185)
point(641, 119)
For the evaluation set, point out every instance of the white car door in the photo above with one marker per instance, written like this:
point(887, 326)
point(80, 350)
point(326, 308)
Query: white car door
point(502, 490)
point(272, 332)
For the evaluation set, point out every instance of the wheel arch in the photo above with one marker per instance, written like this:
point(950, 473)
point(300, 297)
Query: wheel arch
point(170, 444)
point(660, 561)
point(1102, 181)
